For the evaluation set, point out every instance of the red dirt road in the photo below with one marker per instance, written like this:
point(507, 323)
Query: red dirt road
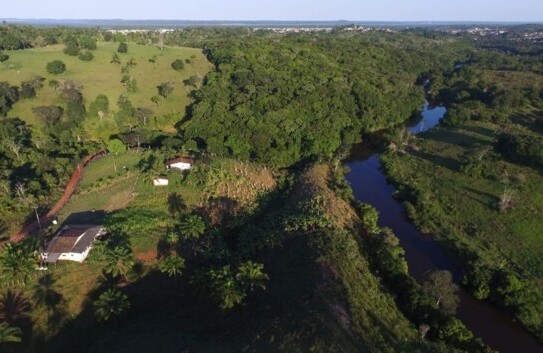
point(71, 187)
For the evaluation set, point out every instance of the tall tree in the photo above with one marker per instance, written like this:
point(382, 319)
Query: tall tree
point(439, 285)
point(27, 199)
point(115, 146)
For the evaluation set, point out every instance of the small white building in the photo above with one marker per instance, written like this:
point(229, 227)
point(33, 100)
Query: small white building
point(160, 181)
point(181, 163)
point(72, 243)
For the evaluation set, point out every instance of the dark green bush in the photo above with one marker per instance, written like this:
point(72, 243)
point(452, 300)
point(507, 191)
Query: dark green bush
point(56, 67)
point(86, 56)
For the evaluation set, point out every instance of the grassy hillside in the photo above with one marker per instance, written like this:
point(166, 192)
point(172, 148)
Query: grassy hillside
point(100, 76)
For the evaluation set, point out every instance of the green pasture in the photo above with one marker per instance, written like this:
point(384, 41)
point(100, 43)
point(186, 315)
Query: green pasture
point(100, 76)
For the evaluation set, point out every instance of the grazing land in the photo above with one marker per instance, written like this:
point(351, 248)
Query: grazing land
point(100, 76)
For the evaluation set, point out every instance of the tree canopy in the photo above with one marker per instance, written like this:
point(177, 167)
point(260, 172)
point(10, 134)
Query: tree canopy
point(279, 102)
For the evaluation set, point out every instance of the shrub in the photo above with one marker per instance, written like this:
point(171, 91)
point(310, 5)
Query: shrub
point(86, 56)
point(56, 67)
point(71, 48)
point(178, 65)
point(123, 48)
point(27, 90)
point(3, 57)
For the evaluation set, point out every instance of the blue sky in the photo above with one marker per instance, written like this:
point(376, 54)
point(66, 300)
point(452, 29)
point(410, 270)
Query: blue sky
point(365, 10)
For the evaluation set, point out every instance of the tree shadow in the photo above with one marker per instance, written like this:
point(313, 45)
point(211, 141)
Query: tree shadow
point(480, 130)
point(455, 138)
point(84, 333)
point(86, 217)
point(482, 193)
point(14, 310)
point(445, 162)
point(176, 204)
point(220, 210)
point(45, 295)
point(532, 121)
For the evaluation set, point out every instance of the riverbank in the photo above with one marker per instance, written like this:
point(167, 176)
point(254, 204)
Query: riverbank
point(370, 185)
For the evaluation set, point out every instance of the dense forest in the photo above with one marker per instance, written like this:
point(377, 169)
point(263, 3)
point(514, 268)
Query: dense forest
point(261, 246)
point(281, 102)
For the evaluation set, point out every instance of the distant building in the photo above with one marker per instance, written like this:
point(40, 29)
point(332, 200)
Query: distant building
point(181, 163)
point(160, 181)
point(72, 243)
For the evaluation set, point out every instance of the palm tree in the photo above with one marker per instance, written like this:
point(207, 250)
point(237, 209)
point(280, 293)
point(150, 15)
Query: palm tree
point(119, 261)
point(225, 289)
point(171, 238)
point(251, 275)
point(17, 264)
point(173, 265)
point(192, 226)
point(14, 307)
point(110, 305)
point(9, 333)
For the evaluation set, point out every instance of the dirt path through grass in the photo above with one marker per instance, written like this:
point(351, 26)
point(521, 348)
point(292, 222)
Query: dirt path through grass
point(69, 190)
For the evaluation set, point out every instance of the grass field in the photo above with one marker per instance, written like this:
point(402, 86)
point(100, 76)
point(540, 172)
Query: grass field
point(99, 76)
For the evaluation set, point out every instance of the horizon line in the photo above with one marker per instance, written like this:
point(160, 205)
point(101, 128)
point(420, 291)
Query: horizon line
point(270, 20)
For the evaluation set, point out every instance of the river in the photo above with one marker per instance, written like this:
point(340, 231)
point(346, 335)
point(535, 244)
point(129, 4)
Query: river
point(422, 252)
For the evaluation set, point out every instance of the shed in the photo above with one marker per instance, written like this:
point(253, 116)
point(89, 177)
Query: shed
point(160, 181)
point(181, 163)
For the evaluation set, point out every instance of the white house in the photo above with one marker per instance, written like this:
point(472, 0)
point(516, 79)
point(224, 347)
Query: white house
point(160, 181)
point(72, 243)
point(182, 163)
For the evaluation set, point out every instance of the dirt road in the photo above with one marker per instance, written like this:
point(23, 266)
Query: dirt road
point(71, 187)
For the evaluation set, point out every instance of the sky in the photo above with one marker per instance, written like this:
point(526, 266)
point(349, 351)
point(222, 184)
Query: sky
point(354, 10)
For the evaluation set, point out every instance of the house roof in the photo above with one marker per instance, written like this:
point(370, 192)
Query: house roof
point(74, 239)
point(180, 160)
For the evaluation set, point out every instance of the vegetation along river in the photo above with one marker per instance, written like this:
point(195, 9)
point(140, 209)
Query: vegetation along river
point(423, 253)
